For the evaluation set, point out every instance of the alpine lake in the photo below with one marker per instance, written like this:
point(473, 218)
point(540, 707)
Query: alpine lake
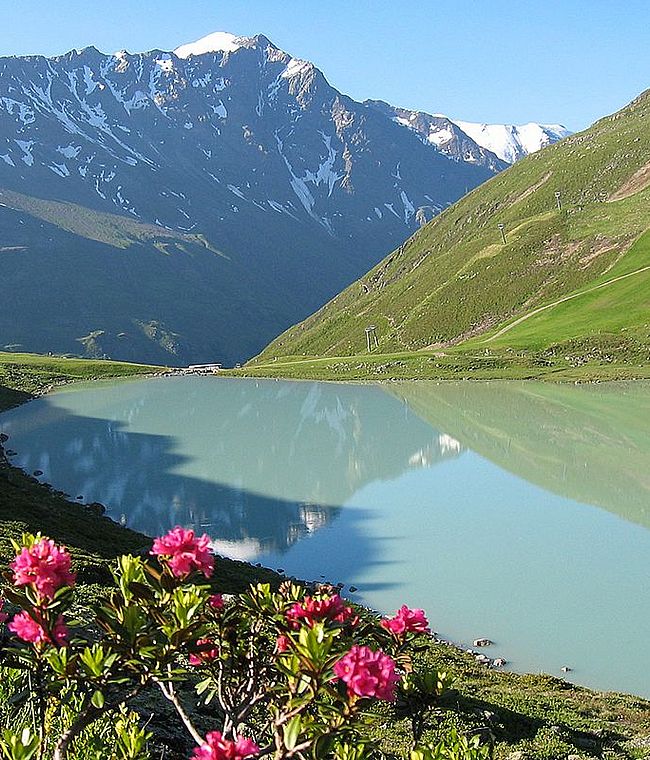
point(516, 511)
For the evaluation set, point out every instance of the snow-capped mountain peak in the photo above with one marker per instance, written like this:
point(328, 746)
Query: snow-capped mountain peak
point(440, 134)
point(256, 169)
point(217, 42)
point(513, 141)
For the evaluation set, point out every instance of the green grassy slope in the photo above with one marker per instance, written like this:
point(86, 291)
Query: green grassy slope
point(93, 284)
point(112, 229)
point(23, 376)
point(617, 303)
point(455, 279)
point(89, 283)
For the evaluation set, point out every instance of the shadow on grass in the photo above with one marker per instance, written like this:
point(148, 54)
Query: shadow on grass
point(9, 397)
point(512, 726)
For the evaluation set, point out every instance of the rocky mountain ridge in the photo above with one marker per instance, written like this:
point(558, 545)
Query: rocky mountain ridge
point(246, 189)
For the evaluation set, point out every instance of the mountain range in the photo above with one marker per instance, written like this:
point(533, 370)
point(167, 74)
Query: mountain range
point(189, 205)
point(475, 143)
point(549, 260)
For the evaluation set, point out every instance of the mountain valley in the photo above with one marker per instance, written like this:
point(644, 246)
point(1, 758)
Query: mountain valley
point(188, 206)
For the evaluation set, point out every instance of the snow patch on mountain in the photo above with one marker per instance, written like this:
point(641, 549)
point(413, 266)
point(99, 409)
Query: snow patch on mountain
point(513, 141)
point(295, 67)
point(69, 151)
point(220, 110)
point(60, 169)
point(217, 42)
point(409, 208)
point(440, 137)
point(165, 63)
point(26, 147)
point(25, 113)
point(441, 134)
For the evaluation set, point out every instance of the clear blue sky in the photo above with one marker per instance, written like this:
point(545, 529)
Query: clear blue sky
point(568, 61)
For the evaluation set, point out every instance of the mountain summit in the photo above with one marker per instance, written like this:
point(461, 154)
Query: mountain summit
point(217, 42)
point(187, 206)
point(511, 141)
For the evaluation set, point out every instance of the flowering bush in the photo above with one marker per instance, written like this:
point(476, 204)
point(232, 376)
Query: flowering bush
point(311, 611)
point(405, 621)
point(183, 553)
point(30, 627)
point(276, 674)
point(216, 747)
point(368, 673)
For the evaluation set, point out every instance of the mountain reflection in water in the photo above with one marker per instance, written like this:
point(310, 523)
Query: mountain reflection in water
point(258, 466)
point(589, 443)
point(517, 511)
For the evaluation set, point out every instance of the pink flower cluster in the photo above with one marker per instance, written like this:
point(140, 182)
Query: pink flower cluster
point(32, 631)
point(184, 553)
point(44, 566)
point(207, 652)
point(282, 643)
point(406, 620)
point(216, 747)
point(215, 601)
point(312, 610)
point(368, 673)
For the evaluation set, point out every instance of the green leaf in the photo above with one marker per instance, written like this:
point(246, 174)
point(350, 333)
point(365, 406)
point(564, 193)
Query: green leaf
point(98, 699)
point(291, 732)
point(17, 747)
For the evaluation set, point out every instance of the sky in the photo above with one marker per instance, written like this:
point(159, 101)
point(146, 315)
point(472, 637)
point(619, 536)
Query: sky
point(567, 62)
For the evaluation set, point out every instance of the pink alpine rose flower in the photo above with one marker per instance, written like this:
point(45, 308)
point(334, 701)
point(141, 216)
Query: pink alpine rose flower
point(32, 631)
point(216, 602)
point(207, 652)
point(368, 673)
point(312, 610)
point(406, 620)
point(60, 632)
point(44, 566)
point(184, 553)
point(216, 747)
point(282, 644)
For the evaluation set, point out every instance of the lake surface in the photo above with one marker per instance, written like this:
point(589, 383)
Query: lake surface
point(515, 511)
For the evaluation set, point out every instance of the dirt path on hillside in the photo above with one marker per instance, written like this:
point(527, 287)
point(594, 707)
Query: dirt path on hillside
point(505, 329)
point(637, 182)
point(530, 190)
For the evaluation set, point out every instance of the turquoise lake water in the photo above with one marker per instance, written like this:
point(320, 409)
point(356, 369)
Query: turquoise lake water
point(514, 511)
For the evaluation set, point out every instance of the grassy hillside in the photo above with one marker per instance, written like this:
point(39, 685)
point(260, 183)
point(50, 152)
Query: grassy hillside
point(456, 283)
point(93, 284)
point(617, 303)
point(23, 376)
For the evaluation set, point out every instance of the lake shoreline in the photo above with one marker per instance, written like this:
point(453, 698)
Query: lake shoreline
point(537, 697)
point(477, 628)
point(374, 370)
point(98, 509)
